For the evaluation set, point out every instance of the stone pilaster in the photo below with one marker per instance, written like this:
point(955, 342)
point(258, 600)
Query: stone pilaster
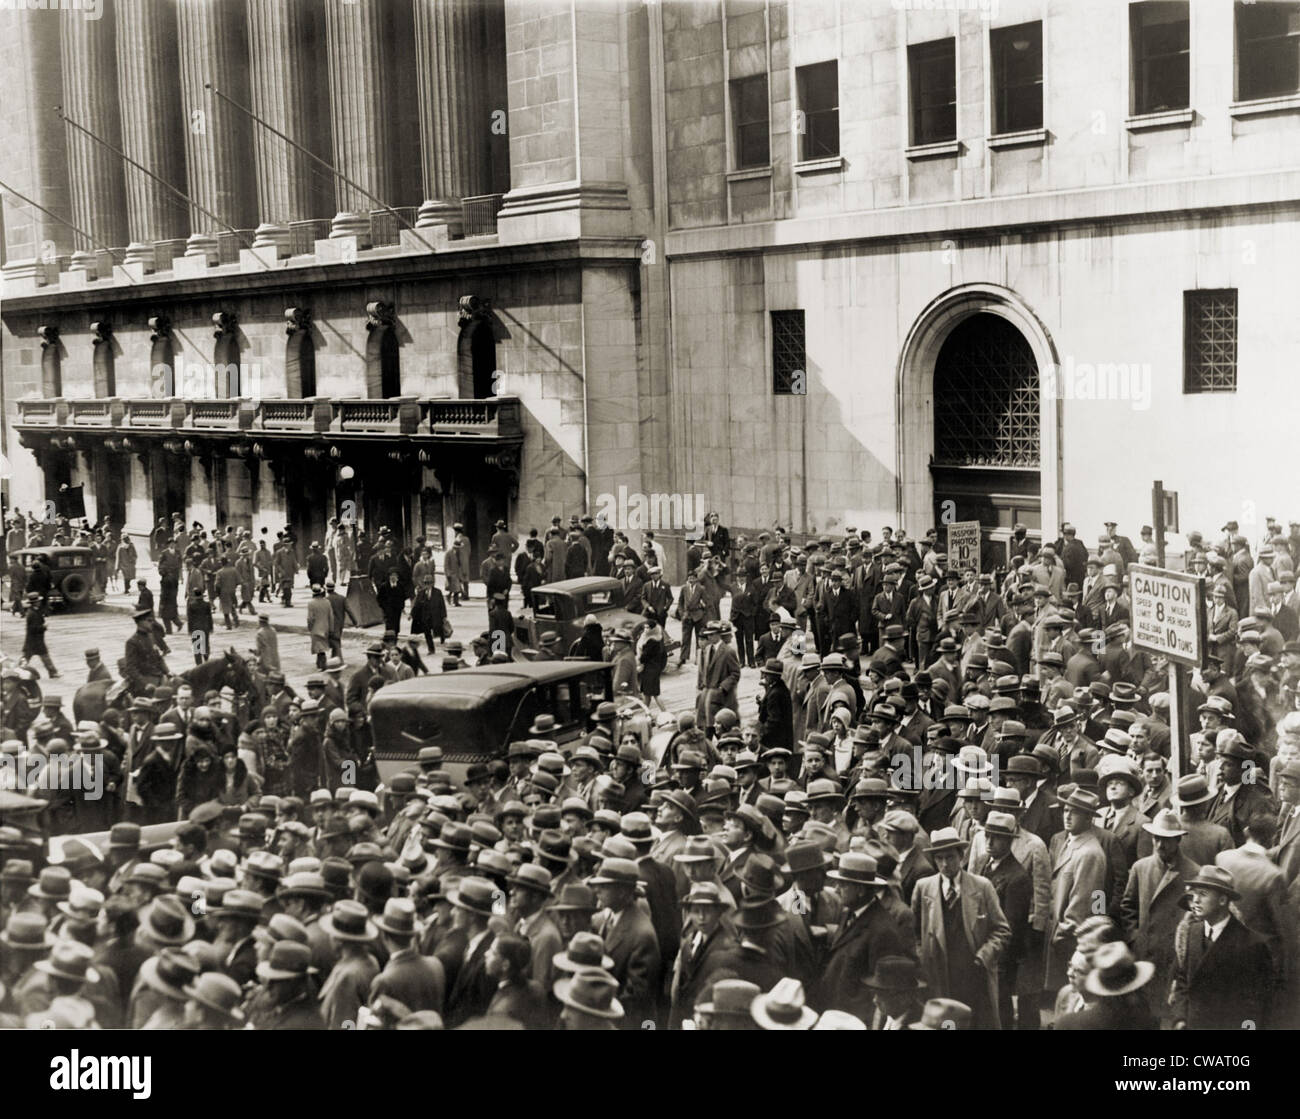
point(153, 131)
point(90, 98)
point(357, 55)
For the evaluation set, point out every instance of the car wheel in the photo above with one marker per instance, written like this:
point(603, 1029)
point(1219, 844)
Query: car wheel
point(75, 588)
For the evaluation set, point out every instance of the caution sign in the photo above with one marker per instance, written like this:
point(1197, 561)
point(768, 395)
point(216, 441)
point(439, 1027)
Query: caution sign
point(964, 546)
point(1168, 613)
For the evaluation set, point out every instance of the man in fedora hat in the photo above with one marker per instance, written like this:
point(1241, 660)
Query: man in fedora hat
point(417, 982)
point(463, 951)
point(1118, 988)
point(896, 987)
point(1223, 973)
point(629, 937)
point(530, 895)
point(285, 998)
point(961, 929)
point(1204, 839)
point(865, 935)
point(709, 951)
point(1242, 790)
point(1016, 892)
point(589, 1000)
point(1079, 877)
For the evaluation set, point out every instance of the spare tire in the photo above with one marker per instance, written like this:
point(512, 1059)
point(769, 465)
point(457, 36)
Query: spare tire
point(75, 587)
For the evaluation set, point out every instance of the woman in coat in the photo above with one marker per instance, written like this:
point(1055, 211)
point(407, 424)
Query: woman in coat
point(238, 786)
point(345, 552)
point(201, 780)
point(653, 660)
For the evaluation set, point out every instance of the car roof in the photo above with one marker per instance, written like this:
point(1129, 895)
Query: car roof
point(472, 685)
point(580, 586)
point(50, 549)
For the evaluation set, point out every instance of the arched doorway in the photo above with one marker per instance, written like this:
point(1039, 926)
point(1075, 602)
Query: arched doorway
point(476, 357)
point(977, 439)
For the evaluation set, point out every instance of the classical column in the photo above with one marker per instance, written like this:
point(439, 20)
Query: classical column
point(152, 129)
point(453, 119)
point(356, 31)
point(218, 145)
point(96, 174)
point(288, 92)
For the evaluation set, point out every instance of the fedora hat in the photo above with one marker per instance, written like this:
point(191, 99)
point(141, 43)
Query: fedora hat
point(946, 839)
point(166, 922)
point(683, 801)
point(697, 849)
point(974, 761)
point(760, 880)
point(705, 893)
point(823, 789)
point(69, 959)
point(170, 972)
point(239, 903)
point(590, 991)
point(1166, 824)
point(26, 932)
point(288, 960)
point(576, 897)
point(1213, 877)
point(730, 998)
point(943, 1014)
point(1000, 823)
point(530, 876)
point(217, 992)
point(895, 973)
point(1192, 789)
point(304, 884)
point(586, 949)
point(1115, 972)
point(280, 927)
point(53, 884)
point(783, 1008)
point(349, 920)
point(857, 868)
point(802, 856)
point(1082, 801)
point(398, 917)
point(475, 895)
point(615, 872)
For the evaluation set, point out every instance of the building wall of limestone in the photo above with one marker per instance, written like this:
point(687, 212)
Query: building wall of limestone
point(1103, 294)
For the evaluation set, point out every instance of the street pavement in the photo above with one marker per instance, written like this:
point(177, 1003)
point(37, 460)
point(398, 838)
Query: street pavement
point(107, 626)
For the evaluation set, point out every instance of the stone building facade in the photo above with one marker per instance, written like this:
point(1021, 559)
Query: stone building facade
point(825, 263)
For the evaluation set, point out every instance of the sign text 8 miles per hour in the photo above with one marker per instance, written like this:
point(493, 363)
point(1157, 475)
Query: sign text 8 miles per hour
point(1168, 612)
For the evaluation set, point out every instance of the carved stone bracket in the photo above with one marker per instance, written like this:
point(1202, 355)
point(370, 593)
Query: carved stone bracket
point(101, 332)
point(49, 335)
point(296, 319)
point(224, 322)
point(380, 314)
point(160, 326)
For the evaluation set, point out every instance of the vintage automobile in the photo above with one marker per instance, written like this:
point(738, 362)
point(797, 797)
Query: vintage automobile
point(560, 608)
point(71, 573)
point(475, 714)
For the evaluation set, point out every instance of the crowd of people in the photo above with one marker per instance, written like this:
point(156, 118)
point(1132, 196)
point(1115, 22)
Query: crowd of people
point(952, 805)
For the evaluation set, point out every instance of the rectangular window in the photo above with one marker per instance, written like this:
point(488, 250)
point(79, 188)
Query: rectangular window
point(789, 367)
point(932, 76)
point(1017, 78)
point(1159, 33)
point(1210, 340)
point(749, 117)
point(819, 102)
point(1268, 50)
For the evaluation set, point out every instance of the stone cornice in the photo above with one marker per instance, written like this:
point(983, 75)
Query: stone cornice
point(394, 267)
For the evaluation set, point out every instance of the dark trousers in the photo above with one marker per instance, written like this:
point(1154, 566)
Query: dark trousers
point(745, 640)
point(688, 627)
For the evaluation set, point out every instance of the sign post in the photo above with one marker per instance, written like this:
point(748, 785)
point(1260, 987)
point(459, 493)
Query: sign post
point(964, 545)
point(1168, 614)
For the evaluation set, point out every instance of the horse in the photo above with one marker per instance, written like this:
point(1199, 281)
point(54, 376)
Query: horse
point(91, 700)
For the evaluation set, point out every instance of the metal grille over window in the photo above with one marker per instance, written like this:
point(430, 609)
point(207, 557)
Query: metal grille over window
point(986, 396)
point(788, 363)
point(1210, 334)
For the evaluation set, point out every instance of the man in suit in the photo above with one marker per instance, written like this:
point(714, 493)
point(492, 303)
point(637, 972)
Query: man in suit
point(1157, 789)
point(656, 595)
point(660, 886)
point(463, 951)
point(896, 987)
point(1152, 908)
point(914, 863)
point(630, 939)
point(961, 927)
point(1016, 891)
point(530, 891)
point(692, 610)
point(709, 951)
point(865, 935)
point(1287, 852)
point(1079, 874)
point(1223, 972)
point(417, 982)
point(1221, 622)
point(1238, 798)
point(840, 608)
point(1121, 782)
point(722, 675)
point(1263, 906)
